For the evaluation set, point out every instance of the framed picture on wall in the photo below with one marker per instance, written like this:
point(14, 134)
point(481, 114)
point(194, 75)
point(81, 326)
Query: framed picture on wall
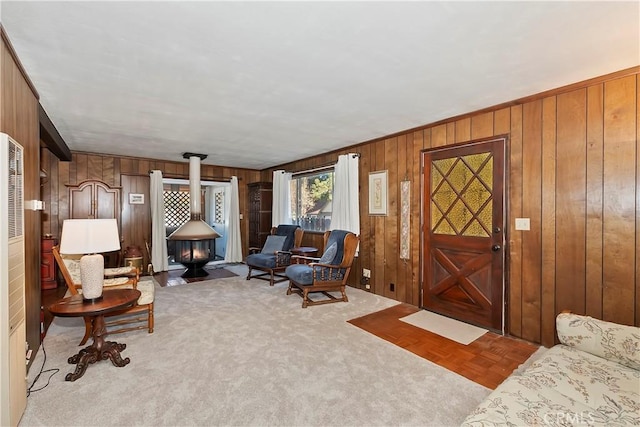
point(136, 199)
point(378, 193)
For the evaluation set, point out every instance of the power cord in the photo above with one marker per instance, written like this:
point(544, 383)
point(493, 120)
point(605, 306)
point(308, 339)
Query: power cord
point(53, 372)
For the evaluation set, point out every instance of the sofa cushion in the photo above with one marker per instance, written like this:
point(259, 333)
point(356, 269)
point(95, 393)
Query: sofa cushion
point(586, 378)
point(612, 341)
point(510, 405)
point(564, 383)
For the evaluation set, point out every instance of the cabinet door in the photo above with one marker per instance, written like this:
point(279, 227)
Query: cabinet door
point(94, 199)
point(81, 200)
point(107, 202)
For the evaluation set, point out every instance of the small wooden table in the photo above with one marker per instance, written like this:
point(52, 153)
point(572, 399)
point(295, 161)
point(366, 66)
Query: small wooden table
point(75, 306)
point(304, 251)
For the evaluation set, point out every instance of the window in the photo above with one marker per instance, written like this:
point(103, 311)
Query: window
point(176, 206)
point(311, 198)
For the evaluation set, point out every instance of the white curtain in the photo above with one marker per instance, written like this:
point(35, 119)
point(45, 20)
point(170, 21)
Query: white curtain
point(234, 240)
point(281, 209)
point(159, 256)
point(346, 197)
point(208, 202)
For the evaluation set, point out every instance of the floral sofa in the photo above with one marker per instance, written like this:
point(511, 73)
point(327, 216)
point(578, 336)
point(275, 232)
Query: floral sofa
point(591, 378)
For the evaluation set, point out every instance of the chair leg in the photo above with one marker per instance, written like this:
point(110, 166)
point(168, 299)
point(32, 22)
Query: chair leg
point(271, 279)
point(151, 318)
point(249, 274)
point(289, 289)
point(344, 294)
point(305, 297)
point(87, 331)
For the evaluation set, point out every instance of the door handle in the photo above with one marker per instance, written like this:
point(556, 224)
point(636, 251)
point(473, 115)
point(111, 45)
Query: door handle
point(495, 248)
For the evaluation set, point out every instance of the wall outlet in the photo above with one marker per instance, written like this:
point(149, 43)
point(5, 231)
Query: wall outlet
point(392, 287)
point(366, 273)
point(367, 286)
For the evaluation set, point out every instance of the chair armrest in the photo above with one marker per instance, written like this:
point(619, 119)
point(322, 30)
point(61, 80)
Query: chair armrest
point(283, 258)
point(317, 264)
point(322, 272)
point(254, 250)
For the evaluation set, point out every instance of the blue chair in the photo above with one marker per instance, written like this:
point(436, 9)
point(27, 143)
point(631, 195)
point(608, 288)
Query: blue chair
point(275, 255)
point(326, 274)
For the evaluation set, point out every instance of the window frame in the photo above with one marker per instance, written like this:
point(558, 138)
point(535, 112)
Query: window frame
point(295, 208)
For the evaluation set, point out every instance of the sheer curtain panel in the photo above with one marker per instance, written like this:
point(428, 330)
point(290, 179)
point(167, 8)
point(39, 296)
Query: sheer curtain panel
point(234, 240)
point(346, 197)
point(159, 255)
point(281, 209)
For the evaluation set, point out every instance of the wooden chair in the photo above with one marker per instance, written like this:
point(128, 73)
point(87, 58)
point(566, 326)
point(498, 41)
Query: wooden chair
point(123, 277)
point(275, 255)
point(326, 274)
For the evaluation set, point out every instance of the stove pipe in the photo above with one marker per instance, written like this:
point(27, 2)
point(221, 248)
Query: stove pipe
point(195, 228)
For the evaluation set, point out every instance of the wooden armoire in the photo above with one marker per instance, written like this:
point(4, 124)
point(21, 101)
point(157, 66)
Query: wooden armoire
point(96, 199)
point(260, 205)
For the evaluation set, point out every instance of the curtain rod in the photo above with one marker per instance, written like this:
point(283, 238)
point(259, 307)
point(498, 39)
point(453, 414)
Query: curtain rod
point(321, 167)
point(202, 178)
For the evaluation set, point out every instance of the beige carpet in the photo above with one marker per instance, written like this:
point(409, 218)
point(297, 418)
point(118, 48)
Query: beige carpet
point(236, 352)
point(455, 330)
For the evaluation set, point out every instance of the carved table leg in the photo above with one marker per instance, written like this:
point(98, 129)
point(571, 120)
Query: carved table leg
point(99, 350)
point(83, 359)
point(112, 351)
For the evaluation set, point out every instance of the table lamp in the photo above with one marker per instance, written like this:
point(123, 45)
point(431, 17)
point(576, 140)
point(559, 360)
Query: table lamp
point(90, 237)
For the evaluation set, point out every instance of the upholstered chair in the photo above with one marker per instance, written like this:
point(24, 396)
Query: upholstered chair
point(326, 274)
point(275, 255)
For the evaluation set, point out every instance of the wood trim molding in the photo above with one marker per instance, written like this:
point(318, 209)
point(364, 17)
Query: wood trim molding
point(89, 153)
point(14, 55)
point(51, 137)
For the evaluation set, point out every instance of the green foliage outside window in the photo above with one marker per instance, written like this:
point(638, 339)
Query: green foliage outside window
point(311, 199)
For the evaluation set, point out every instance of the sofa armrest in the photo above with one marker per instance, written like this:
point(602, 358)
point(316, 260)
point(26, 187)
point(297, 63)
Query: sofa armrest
point(612, 341)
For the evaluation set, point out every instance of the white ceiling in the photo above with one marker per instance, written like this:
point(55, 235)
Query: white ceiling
point(258, 84)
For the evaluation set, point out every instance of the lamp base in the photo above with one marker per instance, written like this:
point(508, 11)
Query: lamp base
point(91, 300)
point(92, 276)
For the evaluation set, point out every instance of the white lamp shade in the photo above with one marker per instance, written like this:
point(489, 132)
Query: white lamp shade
point(89, 236)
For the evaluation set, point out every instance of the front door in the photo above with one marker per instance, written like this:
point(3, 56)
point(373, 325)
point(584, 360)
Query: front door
point(463, 232)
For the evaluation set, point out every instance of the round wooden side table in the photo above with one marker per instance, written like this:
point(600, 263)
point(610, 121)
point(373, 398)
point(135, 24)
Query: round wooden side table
point(304, 251)
point(76, 306)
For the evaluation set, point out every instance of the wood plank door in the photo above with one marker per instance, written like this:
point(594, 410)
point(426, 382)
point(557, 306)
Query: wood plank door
point(463, 232)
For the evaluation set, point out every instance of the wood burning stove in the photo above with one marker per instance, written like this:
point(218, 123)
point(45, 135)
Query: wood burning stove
point(195, 240)
point(194, 254)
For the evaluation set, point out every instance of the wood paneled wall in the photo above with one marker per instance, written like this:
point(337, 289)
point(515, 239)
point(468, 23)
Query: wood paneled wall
point(573, 162)
point(132, 176)
point(19, 119)
point(573, 159)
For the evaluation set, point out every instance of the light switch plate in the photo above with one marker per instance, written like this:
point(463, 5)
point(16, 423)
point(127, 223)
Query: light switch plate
point(523, 224)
